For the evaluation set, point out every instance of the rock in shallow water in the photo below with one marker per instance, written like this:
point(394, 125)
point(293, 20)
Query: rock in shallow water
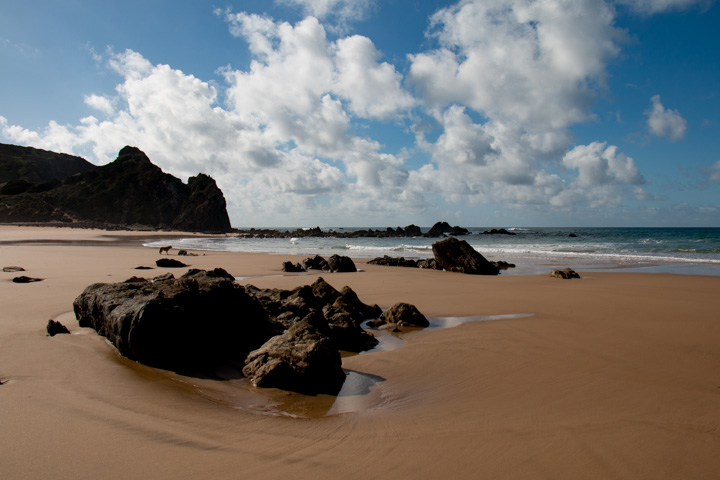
point(303, 359)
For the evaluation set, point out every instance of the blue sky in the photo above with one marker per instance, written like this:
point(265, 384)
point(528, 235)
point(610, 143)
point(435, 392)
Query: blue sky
point(385, 113)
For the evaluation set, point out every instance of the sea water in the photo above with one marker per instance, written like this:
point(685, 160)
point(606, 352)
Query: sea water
point(533, 250)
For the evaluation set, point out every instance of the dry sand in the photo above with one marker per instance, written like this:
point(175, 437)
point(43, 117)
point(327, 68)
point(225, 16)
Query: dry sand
point(616, 375)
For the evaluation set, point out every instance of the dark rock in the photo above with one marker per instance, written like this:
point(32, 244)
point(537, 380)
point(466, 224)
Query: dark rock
point(130, 191)
point(141, 267)
point(338, 263)
point(169, 263)
point(498, 231)
point(193, 324)
point(572, 235)
point(316, 263)
point(13, 269)
point(567, 274)
point(458, 256)
point(405, 315)
point(24, 279)
point(441, 229)
point(303, 359)
point(389, 261)
point(55, 328)
point(292, 268)
point(429, 263)
point(503, 265)
point(34, 166)
point(343, 312)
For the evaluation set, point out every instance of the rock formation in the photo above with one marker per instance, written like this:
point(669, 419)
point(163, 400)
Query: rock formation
point(203, 321)
point(458, 256)
point(303, 359)
point(192, 324)
point(129, 192)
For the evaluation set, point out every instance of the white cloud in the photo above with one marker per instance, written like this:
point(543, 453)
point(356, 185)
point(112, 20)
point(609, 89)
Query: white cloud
point(665, 123)
point(598, 164)
point(100, 103)
point(345, 11)
point(508, 79)
point(519, 61)
point(649, 7)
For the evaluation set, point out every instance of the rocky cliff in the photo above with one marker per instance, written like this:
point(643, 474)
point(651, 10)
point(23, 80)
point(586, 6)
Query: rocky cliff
point(129, 192)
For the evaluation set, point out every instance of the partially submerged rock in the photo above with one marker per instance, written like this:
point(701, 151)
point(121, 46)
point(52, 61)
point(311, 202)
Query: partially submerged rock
point(458, 256)
point(303, 359)
point(566, 274)
point(404, 315)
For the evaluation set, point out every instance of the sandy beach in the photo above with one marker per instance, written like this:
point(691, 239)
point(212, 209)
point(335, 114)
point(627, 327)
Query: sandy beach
point(616, 375)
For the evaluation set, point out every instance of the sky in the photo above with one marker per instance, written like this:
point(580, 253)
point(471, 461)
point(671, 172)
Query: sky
point(380, 113)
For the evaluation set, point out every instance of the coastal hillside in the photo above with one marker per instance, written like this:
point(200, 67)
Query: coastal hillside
point(129, 192)
point(35, 166)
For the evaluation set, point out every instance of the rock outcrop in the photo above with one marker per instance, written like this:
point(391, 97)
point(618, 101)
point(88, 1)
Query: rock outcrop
point(303, 359)
point(458, 256)
point(204, 321)
point(441, 229)
point(130, 192)
point(342, 310)
point(192, 324)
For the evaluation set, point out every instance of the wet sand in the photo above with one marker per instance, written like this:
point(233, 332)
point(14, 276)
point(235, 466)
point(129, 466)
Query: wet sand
point(616, 375)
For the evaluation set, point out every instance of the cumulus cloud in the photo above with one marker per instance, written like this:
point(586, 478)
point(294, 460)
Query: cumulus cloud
point(665, 123)
point(100, 103)
point(496, 96)
point(599, 164)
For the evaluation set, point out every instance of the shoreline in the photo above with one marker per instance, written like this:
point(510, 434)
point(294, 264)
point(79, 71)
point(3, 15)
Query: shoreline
point(612, 376)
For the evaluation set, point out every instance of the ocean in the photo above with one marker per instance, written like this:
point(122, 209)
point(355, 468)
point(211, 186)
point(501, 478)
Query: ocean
point(534, 250)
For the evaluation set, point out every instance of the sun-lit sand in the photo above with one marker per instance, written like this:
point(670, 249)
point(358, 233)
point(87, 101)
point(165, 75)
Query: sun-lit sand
point(616, 375)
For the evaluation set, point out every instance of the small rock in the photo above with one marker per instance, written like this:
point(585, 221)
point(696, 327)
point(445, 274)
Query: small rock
point(169, 263)
point(24, 279)
point(142, 267)
point(55, 328)
point(292, 268)
point(13, 269)
point(567, 274)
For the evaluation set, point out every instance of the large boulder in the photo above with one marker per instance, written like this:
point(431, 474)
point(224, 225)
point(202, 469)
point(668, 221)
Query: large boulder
point(193, 324)
point(458, 256)
point(303, 359)
point(341, 263)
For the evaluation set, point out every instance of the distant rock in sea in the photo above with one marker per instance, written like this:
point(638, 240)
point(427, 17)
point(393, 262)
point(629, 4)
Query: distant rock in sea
point(129, 192)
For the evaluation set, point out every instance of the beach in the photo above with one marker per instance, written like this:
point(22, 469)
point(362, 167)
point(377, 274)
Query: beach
point(616, 375)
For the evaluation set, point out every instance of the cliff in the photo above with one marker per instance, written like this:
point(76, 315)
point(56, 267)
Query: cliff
point(131, 191)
